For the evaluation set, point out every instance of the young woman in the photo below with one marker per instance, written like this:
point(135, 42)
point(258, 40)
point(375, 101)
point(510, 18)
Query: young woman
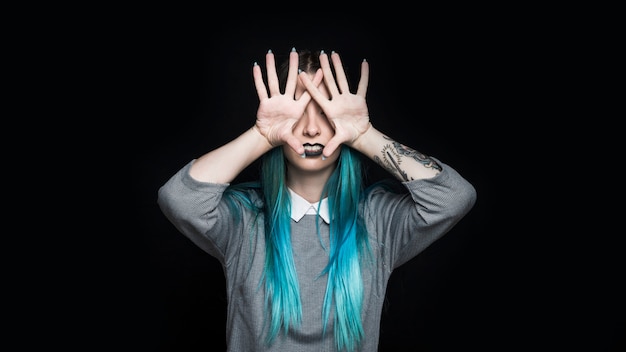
point(307, 250)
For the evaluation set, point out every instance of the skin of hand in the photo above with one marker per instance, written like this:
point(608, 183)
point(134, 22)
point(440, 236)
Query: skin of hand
point(277, 113)
point(347, 112)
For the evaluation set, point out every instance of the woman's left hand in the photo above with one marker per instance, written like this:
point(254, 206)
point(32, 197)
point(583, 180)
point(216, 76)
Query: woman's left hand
point(347, 112)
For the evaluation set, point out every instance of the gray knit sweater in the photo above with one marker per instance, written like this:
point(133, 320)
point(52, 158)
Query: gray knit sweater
point(400, 226)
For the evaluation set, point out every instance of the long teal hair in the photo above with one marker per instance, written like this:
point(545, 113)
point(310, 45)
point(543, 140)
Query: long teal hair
point(348, 248)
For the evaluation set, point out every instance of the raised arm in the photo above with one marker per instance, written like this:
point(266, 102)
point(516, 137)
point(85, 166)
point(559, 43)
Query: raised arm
point(223, 164)
point(405, 163)
point(276, 115)
point(349, 115)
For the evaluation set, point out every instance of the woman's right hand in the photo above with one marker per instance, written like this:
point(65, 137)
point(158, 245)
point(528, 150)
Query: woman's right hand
point(277, 113)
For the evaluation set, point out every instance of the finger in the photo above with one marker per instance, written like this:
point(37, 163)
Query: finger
point(311, 87)
point(261, 91)
point(272, 79)
point(317, 79)
point(292, 77)
point(342, 81)
point(328, 75)
point(305, 97)
point(331, 146)
point(295, 144)
point(364, 80)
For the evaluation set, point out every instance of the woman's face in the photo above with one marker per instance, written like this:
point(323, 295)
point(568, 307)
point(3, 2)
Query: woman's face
point(314, 130)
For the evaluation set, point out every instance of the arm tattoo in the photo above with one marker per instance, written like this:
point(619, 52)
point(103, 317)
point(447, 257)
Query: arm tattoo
point(394, 153)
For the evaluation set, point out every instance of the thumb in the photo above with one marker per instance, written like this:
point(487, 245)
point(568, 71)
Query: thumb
point(294, 143)
point(331, 146)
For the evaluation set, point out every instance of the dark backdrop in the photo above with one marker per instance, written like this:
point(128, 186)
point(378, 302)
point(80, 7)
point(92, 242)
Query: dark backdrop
point(466, 93)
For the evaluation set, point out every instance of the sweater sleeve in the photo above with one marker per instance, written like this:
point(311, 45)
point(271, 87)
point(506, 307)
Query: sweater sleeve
point(406, 224)
point(193, 207)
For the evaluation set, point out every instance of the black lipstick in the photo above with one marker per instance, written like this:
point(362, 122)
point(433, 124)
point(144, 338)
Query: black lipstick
point(313, 149)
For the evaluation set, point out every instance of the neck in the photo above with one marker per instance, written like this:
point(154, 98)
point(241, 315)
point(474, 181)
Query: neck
point(308, 185)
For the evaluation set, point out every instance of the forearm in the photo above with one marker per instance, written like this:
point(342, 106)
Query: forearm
point(402, 162)
point(223, 164)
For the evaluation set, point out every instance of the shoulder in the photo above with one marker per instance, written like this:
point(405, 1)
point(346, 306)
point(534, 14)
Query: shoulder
point(249, 193)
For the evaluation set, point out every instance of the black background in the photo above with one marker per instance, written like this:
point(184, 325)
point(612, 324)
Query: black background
point(510, 276)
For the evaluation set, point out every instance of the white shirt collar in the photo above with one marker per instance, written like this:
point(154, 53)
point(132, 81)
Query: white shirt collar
point(301, 207)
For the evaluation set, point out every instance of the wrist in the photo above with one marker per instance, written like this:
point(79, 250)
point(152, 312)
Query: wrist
point(359, 142)
point(261, 137)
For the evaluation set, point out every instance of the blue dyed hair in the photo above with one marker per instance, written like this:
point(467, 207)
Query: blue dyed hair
point(349, 248)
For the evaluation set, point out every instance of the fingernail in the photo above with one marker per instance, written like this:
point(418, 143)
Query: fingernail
point(303, 155)
point(293, 49)
point(323, 157)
